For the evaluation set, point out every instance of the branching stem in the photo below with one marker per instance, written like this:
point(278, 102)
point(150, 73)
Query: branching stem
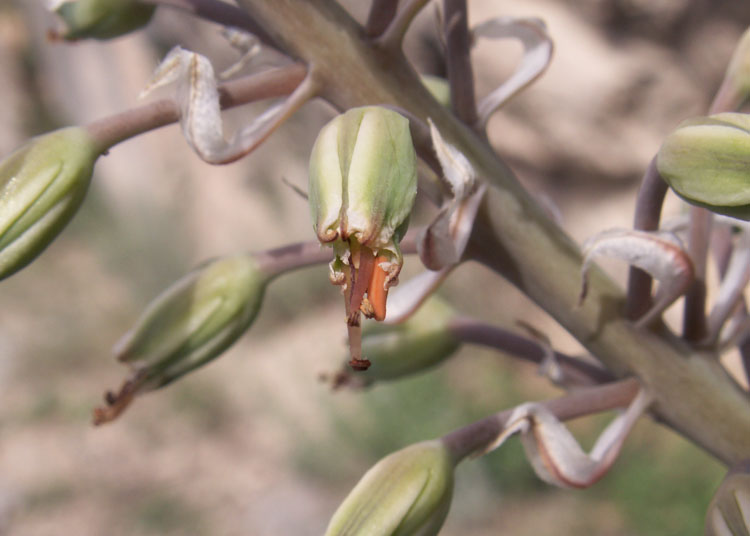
point(458, 61)
point(576, 370)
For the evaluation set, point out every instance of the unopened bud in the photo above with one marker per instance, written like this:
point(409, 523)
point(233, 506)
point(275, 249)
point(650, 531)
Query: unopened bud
point(363, 181)
point(706, 161)
point(406, 493)
point(42, 184)
point(102, 19)
point(188, 325)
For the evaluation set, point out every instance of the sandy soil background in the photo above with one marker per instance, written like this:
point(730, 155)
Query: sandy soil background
point(254, 444)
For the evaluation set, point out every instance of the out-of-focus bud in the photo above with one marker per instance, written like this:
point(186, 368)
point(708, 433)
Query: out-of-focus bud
point(729, 511)
point(438, 87)
point(407, 493)
point(363, 181)
point(42, 184)
point(188, 325)
point(421, 342)
point(706, 160)
point(735, 87)
point(101, 19)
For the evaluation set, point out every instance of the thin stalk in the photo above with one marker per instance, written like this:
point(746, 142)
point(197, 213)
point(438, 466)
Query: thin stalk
point(381, 15)
point(587, 401)
point(694, 327)
point(393, 36)
point(648, 208)
point(458, 61)
point(473, 331)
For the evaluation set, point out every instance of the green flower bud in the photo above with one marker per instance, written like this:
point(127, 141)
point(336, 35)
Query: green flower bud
point(735, 87)
point(421, 342)
point(103, 19)
point(42, 185)
point(729, 511)
point(407, 493)
point(188, 325)
point(706, 161)
point(363, 181)
point(438, 87)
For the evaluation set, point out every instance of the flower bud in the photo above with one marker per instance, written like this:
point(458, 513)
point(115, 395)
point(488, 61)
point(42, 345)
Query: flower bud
point(735, 87)
point(706, 161)
point(729, 511)
point(102, 19)
point(363, 181)
point(188, 325)
point(415, 345)
point(42, 184)
point(406, 493)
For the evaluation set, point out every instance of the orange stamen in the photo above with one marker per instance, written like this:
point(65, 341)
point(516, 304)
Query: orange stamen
point(376, 291)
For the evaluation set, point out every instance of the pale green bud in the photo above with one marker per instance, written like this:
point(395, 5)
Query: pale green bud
point(194, 320)
point(438, 88)
point(729, 511)
point(407, 493)
point(103, 19)
point(735, 87)
point(363, 181)
point(415, 345)
point(42, 184)
point(706, 161)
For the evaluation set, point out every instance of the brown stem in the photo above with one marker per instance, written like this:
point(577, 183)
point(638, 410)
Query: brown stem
point(458, 61)
point(277, 82)
point(473, 437)
point(381, 15)
point(220, 13)
point(473, 331)
point(393, 36)
point(694, 317)
point(647, 215)
point(721, 242)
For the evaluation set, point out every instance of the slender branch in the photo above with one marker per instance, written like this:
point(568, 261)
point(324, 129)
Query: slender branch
point(587, 401)
point(723, 249)
point(380, 17)
point(473, 331)
point(220, 13)
point(393, 36)
point(694, 317)
point(458, 61)
point(648, 208)
point(277, 82)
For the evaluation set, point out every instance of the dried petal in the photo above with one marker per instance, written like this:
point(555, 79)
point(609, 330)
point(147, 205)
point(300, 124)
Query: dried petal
point(200, 116)
point(555, 454)
point(537, 53)
point(659, 253)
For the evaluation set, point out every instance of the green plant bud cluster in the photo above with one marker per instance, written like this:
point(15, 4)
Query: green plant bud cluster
point(194, 320)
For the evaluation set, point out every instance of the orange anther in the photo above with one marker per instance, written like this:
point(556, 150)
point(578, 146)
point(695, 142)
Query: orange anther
point(376, 292)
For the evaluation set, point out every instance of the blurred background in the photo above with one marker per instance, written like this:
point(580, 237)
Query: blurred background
point(255, 443)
